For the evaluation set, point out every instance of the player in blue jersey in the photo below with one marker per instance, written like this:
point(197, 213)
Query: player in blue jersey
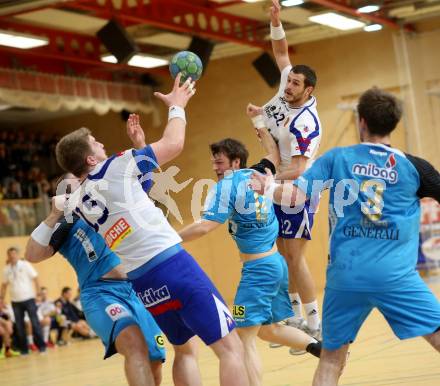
point(109, 303)
point(374, 215)
point(262, 297)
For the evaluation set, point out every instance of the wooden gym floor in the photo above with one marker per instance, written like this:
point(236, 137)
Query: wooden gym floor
point(377, 359)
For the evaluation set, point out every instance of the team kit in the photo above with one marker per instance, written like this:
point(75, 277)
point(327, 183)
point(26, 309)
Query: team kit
point(138, 282)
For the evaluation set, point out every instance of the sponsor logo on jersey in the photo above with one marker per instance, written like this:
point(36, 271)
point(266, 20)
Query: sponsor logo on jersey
point(116, 311)
point(118, 232)
point(371, 232)
point(150, 297)
point(239, 312)
point(379, 153)
point(159, 341)
point(372, 170)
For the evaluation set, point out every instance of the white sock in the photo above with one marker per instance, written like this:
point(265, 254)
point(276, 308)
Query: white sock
point(295, 300)
point(46, 332)
point(30, 339)
point(312, 312)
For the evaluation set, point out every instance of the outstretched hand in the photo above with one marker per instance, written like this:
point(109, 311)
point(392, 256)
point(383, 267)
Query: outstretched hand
point(135, 131)
point(180, 94)
point(275, 11)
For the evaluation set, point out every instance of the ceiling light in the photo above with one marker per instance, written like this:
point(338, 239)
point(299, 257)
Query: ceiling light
point(373, 27)
point(139, 60)
point(334, 20)
point(109, 59)
point(146, 61)
point(23, 41)
point(291, 3)
point(369, 8)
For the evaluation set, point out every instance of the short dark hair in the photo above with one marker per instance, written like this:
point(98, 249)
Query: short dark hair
point(72, 150)
point(10, 249)
point(309, 74)
point(380, 110)
point(232, 149)
point(65, 289)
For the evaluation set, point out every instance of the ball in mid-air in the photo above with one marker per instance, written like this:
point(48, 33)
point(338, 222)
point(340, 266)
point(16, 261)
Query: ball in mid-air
point(188, 63)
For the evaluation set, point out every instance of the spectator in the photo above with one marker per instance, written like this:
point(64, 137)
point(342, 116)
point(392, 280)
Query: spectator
point(6, 330)
point(21, 276)
point(74, 315)
point(46, 313)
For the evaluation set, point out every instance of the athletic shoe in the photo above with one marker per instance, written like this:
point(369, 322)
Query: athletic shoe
point(299, 323)
point(317, 334)
point(33, 347)
point(2, 353)
point(11, 353)
point(49, 344)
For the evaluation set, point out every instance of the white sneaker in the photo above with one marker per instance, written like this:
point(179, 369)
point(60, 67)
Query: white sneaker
point(299, 323)
point(294, 351)
point(317, 334)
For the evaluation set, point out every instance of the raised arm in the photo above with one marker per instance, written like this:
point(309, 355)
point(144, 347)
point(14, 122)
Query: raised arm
point(173, 138)
point(38, 247)
point(280, 47)
point(255, 113)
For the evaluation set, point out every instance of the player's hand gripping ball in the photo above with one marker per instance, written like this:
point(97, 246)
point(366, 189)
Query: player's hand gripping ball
point(188, 63)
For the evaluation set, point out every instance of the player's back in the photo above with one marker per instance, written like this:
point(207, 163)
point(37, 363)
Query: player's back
point(86, 251)
point(252, 221)
point(374, 217)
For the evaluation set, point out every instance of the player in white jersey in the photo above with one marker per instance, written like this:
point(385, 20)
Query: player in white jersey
point(292, 119)
point(113, 200)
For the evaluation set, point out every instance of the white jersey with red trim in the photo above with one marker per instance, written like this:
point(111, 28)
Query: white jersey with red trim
point(114, 201)
point(297, 130)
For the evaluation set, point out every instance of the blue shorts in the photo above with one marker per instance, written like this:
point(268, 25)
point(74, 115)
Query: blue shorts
point(110, 306)
point(263, 294)
point(294, 224)
point(411, 310)
point(182, 299)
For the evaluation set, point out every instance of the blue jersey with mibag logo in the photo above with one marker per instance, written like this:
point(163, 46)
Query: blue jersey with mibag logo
point(252, 221)
point(374, 214)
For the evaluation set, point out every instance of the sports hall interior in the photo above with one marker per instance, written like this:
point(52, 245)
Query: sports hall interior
point(402, 58)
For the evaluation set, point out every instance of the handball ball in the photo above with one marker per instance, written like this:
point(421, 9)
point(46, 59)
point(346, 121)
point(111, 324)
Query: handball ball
point(188, 63)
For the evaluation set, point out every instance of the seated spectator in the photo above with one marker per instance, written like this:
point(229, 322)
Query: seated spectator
point(46, 313)
point(6, 331)
point(73, 315)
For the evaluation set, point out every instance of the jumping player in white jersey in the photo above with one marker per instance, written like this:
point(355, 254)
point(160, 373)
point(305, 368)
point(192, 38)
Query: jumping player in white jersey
point(113, 200)
point(292, 119)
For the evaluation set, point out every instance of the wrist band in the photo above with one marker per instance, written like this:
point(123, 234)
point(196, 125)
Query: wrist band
point(277, 33)
point(176, 112)
point(42, 234)
point(270, 190)
point(258, 121)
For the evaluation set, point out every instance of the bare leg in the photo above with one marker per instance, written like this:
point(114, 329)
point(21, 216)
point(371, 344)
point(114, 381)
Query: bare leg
point(131, 344)
point(251, 357)
point(286, 336)
point(229, 351)
point(186, 370)
point(156, 368)
point(434, 340)
point(330, 367)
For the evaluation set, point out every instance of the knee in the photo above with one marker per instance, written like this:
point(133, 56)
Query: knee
point(266, 332)
point(131, 342)
point(156, 369)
